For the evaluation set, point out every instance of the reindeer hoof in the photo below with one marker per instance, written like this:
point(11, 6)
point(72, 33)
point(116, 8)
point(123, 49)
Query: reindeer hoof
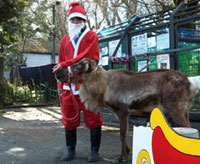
point(128, 150)
point(123, 159)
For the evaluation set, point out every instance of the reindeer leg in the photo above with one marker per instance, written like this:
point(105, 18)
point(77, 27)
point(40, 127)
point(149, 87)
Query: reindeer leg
point(178, 116)
point(180, 120)
point(123, 120)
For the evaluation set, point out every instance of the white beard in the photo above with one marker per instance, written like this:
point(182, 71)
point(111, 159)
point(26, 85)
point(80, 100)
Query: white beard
point(74, 29)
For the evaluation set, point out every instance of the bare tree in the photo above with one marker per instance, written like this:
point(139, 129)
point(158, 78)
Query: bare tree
point(100, 13)
point(131, 7)
point(61, 22)
point(110, 12)
point(103, 6)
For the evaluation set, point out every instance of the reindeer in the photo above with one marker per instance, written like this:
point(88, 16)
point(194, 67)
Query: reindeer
point(123, 91)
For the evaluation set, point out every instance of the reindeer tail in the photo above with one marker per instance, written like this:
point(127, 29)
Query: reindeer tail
point(195, 83)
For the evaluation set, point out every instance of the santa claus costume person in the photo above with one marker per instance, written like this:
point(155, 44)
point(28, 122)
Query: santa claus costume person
point(79, 43)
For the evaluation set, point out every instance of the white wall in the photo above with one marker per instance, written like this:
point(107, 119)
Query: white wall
point(7, 75)
point(34, 60)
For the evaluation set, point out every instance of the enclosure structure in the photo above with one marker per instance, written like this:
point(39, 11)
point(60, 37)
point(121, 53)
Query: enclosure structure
point(168, 39)
point(175, 32)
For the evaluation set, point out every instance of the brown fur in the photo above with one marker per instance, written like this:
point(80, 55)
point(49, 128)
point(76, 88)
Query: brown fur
point(123, 91)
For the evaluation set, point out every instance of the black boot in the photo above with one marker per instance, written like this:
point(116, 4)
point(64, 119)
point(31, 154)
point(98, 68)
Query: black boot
point(71, 144)
point(95, 137)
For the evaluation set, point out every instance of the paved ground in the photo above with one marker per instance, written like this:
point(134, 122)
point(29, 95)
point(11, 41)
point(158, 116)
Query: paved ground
point(36, 136)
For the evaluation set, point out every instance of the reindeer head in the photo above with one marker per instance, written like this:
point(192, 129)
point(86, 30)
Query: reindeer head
point(84, 66)
point(62, 76)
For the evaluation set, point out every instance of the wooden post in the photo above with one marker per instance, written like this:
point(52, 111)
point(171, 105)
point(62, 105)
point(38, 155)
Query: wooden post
point(1, 69)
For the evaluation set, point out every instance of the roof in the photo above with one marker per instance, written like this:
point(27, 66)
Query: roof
point(35, 46)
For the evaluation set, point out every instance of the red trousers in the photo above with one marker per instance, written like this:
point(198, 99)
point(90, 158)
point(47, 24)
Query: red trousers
point(71, 114)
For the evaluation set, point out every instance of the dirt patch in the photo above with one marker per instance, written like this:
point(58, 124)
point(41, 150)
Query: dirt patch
point(35, 135)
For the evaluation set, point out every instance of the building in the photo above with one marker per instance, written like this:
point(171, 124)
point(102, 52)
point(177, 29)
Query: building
point(38, 53)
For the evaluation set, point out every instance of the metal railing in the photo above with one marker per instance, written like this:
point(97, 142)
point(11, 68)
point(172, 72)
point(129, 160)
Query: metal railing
point(35, 96)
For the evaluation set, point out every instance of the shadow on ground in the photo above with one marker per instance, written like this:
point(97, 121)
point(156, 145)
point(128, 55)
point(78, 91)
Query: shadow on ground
point(36, 136)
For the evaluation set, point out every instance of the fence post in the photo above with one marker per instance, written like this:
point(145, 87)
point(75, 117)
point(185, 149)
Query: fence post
point(46, 92)
point(57, 99)
point(1, 68)
point(173, 37)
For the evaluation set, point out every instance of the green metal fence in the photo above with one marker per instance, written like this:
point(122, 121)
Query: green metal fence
point(189, 63)
point(29, 96)
point(51, 95)
point(34, 96)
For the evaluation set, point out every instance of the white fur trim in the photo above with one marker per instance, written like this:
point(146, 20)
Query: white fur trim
point(76, 46)
point(77, 15)
point(66, 87)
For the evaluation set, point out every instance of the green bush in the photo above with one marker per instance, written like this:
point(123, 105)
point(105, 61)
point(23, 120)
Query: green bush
point(26, 94)
point(12, 94)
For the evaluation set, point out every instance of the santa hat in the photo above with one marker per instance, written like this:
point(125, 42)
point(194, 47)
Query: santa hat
point(76, 10)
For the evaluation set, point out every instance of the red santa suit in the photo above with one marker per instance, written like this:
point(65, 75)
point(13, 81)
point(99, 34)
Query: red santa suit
point(70, 53)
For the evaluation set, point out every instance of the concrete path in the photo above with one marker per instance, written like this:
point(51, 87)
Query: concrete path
point(36, 136)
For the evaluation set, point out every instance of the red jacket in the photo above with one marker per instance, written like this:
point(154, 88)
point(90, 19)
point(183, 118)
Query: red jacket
point(86, 47)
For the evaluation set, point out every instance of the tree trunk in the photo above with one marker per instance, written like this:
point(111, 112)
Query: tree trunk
point(16, 75)
point(1, 69)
